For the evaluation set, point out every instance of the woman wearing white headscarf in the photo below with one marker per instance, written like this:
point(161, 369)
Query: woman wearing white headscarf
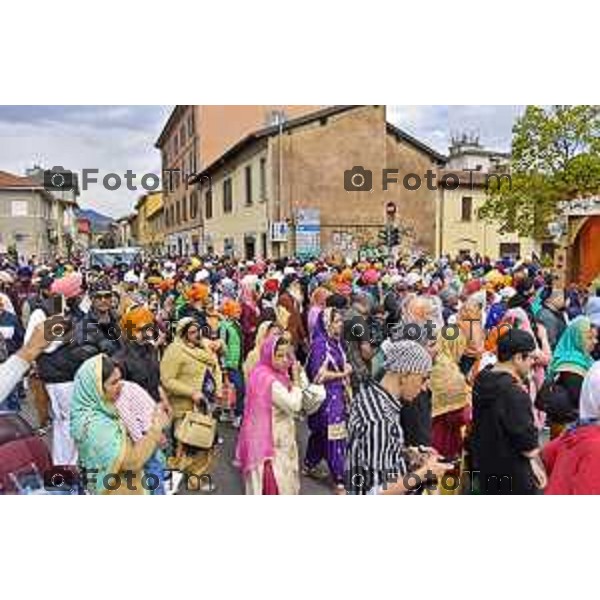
point(573, 459)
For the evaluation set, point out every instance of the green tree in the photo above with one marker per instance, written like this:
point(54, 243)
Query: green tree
point(555, 157)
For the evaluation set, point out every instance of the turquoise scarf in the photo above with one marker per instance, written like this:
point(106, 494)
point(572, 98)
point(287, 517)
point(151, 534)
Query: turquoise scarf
point(569, 354)
point(95, 426)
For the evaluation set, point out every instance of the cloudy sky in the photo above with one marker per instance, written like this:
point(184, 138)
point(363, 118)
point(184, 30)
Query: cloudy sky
point(114, 139)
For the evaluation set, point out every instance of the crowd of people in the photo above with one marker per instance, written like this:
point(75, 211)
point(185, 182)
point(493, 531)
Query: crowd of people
point(421, 376)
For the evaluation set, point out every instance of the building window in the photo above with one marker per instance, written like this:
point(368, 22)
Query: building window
point(248, 173)
point(548, 249)
point(227, 196)
point(190, 123)
point(510, 250)
point(467, 208)
point(19, 208)
point(208, 205)
point(194, 205)
point(184, 203)
point(263, 178)
point(182, 135)
point(178, 213)
point(176, 144)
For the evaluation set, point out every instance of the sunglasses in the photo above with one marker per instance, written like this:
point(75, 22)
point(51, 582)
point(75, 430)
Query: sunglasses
point(103, 295)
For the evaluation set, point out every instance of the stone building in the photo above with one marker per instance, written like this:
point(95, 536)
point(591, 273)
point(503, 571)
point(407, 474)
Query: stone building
point(287, 189)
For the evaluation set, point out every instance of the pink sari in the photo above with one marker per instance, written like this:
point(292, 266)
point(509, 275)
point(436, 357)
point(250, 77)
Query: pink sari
point(255, 441)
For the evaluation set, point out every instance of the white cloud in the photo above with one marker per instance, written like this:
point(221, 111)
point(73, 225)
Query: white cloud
point(435, 125)
point(110, 139)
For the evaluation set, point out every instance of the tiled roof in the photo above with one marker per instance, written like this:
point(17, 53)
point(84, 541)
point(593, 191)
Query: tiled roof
point(8, 180)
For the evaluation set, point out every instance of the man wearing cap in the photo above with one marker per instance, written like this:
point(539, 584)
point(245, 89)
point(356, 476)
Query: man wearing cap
point(504, 441)
point(378, 462)
point(99, 331)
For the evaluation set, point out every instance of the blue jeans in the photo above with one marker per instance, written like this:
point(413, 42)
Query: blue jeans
point(156, 466)
point(237, 380)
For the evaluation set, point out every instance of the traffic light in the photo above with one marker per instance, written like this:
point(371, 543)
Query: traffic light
point(395, 237)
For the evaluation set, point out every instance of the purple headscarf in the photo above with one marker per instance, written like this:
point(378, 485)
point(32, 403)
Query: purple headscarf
point(324, 345)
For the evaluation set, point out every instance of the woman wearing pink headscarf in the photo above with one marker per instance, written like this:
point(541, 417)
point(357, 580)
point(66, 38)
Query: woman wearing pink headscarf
point(266, 452)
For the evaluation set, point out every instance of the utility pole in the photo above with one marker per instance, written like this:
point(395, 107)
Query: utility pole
point(390, 213)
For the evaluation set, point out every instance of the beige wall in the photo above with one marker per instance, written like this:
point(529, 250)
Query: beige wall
point(416, 208)
point(315, 158)
point(243, 220)
point(477, 235)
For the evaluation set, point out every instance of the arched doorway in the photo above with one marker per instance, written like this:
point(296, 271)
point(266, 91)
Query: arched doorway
point(586, 251)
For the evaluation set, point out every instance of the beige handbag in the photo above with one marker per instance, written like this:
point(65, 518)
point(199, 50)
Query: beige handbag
point(313, 397)
point(197, 430)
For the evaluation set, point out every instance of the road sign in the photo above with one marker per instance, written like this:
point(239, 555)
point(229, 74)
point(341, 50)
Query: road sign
point(279, 231)
point(308, 232)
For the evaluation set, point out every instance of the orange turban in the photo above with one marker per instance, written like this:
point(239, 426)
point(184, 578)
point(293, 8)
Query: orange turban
point(139, 317)
point(198, 292)
point(231, 308)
